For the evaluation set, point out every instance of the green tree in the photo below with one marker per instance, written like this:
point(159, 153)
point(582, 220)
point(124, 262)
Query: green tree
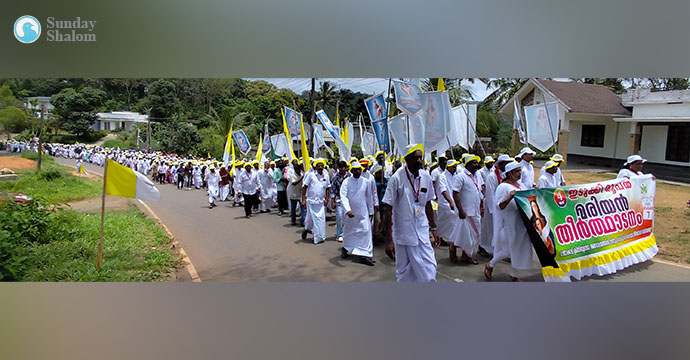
point(77, 110)
point(210, 141)
point(14, 120)
point(161, 98)
point(177, 137)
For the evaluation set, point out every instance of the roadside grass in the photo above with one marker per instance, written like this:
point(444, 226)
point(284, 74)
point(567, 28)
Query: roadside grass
point(135, 249)
point(671, 220)
point(40, 241)
point(55, 183)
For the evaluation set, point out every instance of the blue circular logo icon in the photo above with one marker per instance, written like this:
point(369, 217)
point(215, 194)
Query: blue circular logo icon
point(27, 29)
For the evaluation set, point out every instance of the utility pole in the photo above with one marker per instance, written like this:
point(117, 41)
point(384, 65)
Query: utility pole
point(40, 136)
point(313, 106)
point(148, 129)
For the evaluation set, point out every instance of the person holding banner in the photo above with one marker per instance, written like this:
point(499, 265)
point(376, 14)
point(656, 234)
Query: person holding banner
point(467, 194)
point(632, 167)
point(315, 193)
point(511, 235)
point(409, 219)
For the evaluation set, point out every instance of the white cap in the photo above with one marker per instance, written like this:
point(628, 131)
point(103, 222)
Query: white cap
point(550, 164)
point(526, 150)
point(504, 158)
point(510, 167)
point(633, 158)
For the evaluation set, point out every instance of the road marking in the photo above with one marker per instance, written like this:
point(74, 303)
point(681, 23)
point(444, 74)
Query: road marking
point(189, 265)
point(449, 277)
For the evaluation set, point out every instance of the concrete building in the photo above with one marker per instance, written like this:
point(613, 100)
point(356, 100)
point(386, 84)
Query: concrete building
point(599, 128)
point(118, 120)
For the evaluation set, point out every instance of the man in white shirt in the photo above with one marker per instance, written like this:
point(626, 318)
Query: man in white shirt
point(467, 195)
point(527, 178)
point(250, 188)
point(559, 159)
point(548, 178)
point(408, 216)
point(315, 191)
point(486, 169)
point(494, 178)
point(358, 206)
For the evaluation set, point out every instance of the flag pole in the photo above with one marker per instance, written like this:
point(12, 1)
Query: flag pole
point(548, 118)
point(100, 244)
point(467, 114)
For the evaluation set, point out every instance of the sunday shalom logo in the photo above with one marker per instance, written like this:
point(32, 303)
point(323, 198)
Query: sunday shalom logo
point(74, 30)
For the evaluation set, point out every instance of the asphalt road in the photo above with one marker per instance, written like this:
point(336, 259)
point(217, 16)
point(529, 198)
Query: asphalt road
point(224, 246)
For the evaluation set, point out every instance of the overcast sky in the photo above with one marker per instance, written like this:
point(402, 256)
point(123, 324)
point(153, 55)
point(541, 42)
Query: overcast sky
point(363, 85)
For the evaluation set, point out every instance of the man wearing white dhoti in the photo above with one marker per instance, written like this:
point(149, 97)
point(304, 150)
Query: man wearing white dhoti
point(486, 240)
point(511, 237)
point(467, 195)
point(315, 192)
point(358, 206)
point(447, 217)
point(408, 217)
point(212, 181)
point(267, 188)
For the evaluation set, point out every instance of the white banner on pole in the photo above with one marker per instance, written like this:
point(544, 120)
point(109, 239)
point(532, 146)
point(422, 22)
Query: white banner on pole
point(437, 119)
point(542, 128)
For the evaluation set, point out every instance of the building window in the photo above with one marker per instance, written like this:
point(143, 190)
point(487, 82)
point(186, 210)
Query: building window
point(593, 136)
point(678, 143)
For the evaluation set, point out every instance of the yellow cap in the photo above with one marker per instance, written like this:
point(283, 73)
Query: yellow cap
point(412, 148)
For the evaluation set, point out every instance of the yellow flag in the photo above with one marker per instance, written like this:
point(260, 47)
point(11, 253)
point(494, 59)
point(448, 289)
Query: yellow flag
point(258, 151)
point(305, 152)
point(233, 150)
point(337, 118)
point(287, 134)
point(123, 181)
point(441, 86)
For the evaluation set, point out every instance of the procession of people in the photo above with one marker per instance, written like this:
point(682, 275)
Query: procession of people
point(465, 204)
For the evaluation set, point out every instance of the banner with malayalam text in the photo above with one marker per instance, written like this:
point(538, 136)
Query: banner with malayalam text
point(590, 229)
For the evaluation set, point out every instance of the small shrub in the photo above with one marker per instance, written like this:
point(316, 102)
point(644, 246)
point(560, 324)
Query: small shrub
point(50, 174)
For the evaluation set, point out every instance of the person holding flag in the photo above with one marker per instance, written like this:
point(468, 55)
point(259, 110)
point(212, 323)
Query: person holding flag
point(249, 186)
point(495, 177)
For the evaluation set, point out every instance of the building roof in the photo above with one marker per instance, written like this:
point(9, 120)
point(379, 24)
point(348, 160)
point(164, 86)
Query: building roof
point(586, 98)
point(646, 96)
point(123, 116)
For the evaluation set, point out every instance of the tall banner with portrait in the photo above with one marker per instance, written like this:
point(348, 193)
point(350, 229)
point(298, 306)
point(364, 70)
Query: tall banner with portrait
point(437, 115)
point(368, 143)
point(266, 141)
point(542, 125)
point(328, 126)
point(280, 144)
point(292, 119)
point(407, 98)
point(242, 141)
point(376, 107)
point(590, 229)
point(381, 133)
